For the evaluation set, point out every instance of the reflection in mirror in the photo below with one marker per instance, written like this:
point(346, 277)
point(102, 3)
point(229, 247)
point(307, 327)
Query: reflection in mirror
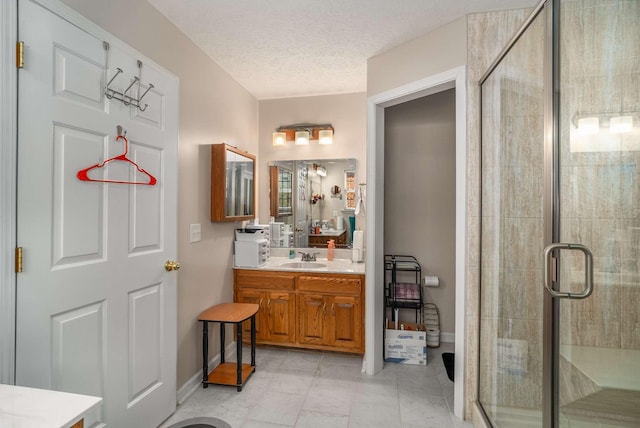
point(239, 199)
point(232, 184)
point(311, 202)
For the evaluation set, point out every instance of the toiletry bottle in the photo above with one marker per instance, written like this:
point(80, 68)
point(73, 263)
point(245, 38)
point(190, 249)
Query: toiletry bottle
point(330, 247)
point(292, 254)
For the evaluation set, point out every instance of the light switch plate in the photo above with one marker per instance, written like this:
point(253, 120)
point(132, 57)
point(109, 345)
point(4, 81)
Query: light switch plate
point(195, 232)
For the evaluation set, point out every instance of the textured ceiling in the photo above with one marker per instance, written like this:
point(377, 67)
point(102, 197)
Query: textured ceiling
point(285, 48)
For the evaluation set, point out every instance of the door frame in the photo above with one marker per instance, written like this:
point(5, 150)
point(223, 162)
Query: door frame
point(8, 187)
point(374, 314)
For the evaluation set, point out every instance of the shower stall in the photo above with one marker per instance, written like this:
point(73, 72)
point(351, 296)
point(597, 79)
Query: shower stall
point(559, 342)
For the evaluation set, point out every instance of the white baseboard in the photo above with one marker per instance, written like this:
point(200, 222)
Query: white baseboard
point(448, 337)
point(190, 386)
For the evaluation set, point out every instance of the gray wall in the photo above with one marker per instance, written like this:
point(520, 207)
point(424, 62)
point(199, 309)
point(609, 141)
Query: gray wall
point(419, 213)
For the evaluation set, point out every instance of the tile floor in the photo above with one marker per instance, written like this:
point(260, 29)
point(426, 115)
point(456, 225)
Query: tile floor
point(292, 388)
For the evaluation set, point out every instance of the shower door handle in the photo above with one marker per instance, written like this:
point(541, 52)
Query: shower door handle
point(588, 274)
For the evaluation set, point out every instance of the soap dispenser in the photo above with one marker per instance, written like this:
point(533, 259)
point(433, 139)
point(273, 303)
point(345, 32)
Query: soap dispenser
point(331, 245)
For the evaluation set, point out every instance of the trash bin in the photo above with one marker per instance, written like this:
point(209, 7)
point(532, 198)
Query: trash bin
point(448, 358)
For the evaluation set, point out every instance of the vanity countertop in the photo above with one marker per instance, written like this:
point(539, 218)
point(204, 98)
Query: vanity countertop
point(333, 266)
point(22, 407)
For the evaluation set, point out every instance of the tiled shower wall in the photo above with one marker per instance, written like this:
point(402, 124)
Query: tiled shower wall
point(600, 180)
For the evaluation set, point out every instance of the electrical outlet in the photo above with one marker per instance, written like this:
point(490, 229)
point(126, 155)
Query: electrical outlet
point(195, 233)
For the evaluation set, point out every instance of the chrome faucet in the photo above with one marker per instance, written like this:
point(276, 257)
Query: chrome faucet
point(308, 257)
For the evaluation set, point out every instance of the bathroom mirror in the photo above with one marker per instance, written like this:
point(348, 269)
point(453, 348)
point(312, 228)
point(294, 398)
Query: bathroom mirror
point(311, 202)
point(232, 184)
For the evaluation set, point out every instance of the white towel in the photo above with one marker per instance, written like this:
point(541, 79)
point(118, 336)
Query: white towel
point(360, 205)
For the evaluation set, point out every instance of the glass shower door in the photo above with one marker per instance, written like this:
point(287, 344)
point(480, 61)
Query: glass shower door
point(512, 235)
point(599, 140)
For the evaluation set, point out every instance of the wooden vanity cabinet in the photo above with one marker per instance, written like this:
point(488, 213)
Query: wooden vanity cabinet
point(330, 311)
point(299, 309)
point(275, 320)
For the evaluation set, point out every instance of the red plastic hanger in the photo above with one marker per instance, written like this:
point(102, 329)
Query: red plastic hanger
point(83, 174)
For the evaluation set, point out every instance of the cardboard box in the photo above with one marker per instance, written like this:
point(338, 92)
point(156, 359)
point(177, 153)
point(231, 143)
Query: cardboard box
point(408, 346)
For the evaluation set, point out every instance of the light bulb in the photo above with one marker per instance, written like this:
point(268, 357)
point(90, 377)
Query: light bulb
point(325, 136)
point(279, 138)
point(588, 125)
point(302, 137)
point(620, 124)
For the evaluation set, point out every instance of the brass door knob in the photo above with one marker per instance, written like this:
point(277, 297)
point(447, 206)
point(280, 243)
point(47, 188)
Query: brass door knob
point(171, 265)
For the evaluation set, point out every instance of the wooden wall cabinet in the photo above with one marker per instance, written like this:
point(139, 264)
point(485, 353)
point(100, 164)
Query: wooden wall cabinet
point(233, 184)
point(298, 309)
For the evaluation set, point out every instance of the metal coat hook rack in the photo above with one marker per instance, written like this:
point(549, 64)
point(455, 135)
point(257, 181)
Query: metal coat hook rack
point(126, 99)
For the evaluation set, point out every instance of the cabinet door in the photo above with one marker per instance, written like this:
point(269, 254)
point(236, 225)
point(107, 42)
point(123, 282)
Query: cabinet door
point(345, 327)
point(257, 297)
point(312, 312)
point(280, 314)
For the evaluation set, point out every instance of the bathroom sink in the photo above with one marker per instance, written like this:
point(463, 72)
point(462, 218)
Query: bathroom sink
point(303, 265)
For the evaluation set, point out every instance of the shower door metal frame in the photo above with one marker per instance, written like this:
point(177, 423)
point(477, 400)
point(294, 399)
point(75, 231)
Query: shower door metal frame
point(551, 197)
point(551, 213)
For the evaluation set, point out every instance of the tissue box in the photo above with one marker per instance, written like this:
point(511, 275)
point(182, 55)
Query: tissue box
point(405, 346)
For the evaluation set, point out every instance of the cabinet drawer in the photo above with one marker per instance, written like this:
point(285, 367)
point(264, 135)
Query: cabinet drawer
point(264, 279)
point(332, 284)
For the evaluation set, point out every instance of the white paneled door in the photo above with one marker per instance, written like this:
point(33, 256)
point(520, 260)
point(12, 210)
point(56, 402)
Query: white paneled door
point(96, 310)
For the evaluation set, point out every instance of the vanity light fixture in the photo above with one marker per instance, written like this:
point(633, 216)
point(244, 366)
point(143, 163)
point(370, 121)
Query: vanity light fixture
point(303, 133)
point(618, 123)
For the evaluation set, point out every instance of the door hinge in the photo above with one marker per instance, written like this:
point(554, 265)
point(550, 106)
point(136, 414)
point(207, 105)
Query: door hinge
point(20, 54)
point(18, 259)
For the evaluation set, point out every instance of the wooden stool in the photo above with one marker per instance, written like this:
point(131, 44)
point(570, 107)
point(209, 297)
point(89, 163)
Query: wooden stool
point(223, 373)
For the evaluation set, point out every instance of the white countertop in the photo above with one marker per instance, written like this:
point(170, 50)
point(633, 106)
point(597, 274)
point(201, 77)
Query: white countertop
point(22, 407)
point(333, 266)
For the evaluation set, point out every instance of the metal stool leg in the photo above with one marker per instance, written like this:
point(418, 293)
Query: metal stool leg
point(239, 355)
point(253, 341)
point(205, 353)
point(222, 340)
